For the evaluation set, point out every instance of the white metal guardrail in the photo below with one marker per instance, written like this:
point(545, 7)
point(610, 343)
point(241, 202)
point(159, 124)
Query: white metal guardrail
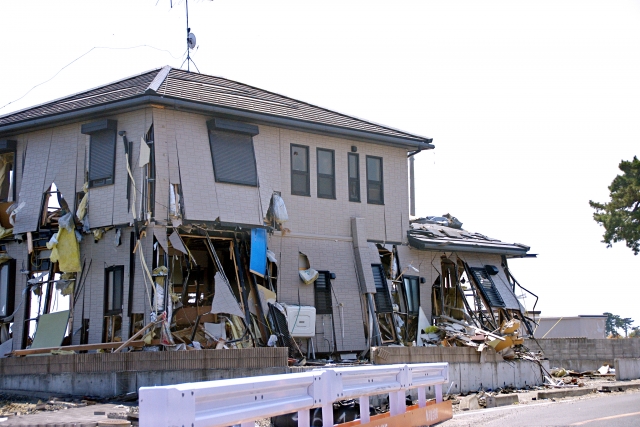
point(243, 400)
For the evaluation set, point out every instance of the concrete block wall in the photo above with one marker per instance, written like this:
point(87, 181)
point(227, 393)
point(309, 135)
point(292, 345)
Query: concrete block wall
point(627, 369)
point(330, 255)
point(582, 354)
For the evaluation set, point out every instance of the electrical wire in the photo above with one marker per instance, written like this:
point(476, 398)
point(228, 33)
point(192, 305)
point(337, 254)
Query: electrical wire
point(86, 53)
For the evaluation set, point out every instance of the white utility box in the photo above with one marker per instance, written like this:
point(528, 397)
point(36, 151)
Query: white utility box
point(302, 321)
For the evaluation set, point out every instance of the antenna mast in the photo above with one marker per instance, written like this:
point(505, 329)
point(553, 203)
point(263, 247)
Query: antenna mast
point(191, 41)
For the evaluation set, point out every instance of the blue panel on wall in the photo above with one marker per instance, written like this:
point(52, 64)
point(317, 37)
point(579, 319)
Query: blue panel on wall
point(258, 261)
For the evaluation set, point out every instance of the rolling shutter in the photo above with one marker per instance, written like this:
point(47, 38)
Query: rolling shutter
point(381, 297)
point(102, 156)
point(233, 157)
point(322, 287)
point(486, 286)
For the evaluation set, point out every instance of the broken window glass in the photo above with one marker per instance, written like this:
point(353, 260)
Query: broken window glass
point(354, 177)
point(300, 184)
point(375, 190)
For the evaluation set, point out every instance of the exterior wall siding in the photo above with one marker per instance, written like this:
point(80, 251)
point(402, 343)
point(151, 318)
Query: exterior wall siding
point(331, 255)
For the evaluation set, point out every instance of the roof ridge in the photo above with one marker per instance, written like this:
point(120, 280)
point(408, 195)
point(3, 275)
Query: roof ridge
point(159, 79)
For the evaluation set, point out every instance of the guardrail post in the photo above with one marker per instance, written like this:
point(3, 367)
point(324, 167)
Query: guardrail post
point(438, 388)
point(331, 385)
point(364, 410)
point(422, 397)
point(397, 399)
point(303, 418)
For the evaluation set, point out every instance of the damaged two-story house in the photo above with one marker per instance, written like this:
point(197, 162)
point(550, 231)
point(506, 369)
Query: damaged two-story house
point(189, 209)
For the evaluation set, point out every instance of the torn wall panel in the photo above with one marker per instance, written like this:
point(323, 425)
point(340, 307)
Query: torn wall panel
point(196, 167)
point(37, 145)
point(60, 167)
point(166, 157)
point(268, 163)
point(135, 125)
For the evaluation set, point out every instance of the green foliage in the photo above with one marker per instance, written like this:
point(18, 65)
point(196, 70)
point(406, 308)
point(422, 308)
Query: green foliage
point(620, 217)
point(615, 322)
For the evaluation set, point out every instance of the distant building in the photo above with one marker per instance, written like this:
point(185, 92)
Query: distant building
point(583, 326)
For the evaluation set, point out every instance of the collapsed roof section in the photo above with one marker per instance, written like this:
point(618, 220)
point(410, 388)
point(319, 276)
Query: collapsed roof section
point(433, 235)
point(199, 92)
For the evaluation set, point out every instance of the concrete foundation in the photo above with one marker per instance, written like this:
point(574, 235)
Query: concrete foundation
point(627, 369)
point(469, 370)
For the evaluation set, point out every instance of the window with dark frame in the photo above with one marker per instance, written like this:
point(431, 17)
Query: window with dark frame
point(326, 173)
point(300, 179)
point(375, 188)
point(411, 290)
point(322, 291)
point(113, 289)
point(486, 285)
point(7, 287)
point(382, 297)
point(7, 170)
point(102, 151)
point(232, 152)
point(353, 160)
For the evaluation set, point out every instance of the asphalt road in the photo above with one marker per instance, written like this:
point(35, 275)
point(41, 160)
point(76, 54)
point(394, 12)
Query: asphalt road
point(603, 410)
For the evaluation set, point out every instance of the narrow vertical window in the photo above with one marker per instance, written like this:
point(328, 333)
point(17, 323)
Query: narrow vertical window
point(7, 171)
point(300, 185)
point(322, 291)
point(326, 174)
point(375, 190)
point(114, 281)
point(7, 287)
point(113, 303)
point(354, 177)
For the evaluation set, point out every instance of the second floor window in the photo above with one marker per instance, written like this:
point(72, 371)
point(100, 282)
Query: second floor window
point(326, 174)
point(354, 177)
point(375, 189)
point(102, 151)
point(300, 185)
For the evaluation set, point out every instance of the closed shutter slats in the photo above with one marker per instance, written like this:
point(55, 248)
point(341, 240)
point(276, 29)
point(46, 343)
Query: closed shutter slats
point(233, 157)
point(102, 155)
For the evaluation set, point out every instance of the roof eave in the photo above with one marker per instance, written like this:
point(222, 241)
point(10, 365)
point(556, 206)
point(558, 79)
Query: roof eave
point(449, 246)
point(179, 104)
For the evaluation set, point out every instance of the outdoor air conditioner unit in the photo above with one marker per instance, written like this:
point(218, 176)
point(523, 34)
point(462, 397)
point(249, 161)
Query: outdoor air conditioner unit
point(302, 321)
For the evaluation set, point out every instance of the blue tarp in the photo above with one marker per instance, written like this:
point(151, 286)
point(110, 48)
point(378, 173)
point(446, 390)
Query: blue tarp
point(258, 261)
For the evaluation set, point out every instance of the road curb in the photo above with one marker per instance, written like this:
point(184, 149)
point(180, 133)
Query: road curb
point(569, 392)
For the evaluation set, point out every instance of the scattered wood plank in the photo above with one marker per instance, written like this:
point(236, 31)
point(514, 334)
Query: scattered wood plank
point(81, 347)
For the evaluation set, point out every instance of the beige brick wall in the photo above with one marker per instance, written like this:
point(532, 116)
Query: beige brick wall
point(182, 138)
point(335, 255)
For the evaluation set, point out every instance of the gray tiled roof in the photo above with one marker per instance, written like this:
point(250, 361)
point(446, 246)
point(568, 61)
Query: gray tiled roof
point(442, 238)
point(207, 90)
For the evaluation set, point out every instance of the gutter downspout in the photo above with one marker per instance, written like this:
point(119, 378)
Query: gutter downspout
point(412, 180)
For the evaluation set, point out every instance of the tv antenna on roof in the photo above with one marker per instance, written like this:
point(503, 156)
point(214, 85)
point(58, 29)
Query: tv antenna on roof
point(191, 42)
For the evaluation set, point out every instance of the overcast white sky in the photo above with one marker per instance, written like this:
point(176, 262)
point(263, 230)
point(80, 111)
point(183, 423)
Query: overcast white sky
point(531, 104)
